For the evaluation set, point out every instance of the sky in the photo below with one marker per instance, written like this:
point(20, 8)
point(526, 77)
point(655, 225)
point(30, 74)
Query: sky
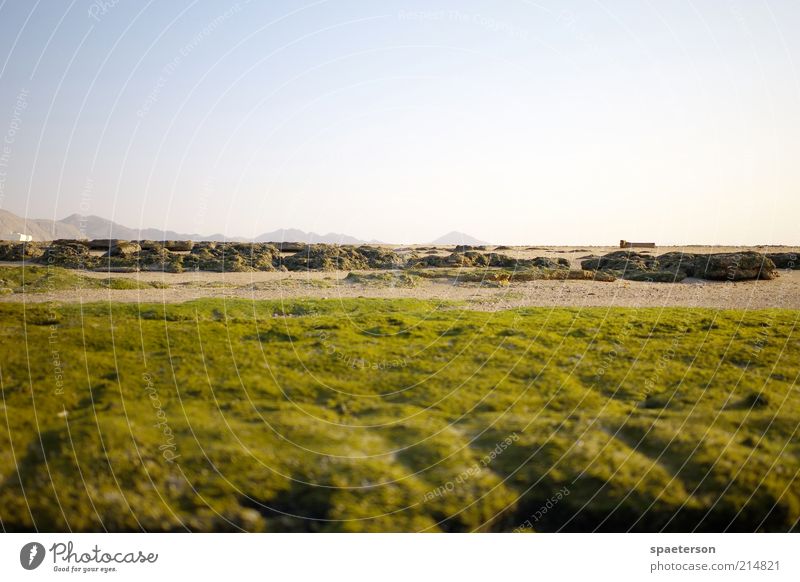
point(517, 122)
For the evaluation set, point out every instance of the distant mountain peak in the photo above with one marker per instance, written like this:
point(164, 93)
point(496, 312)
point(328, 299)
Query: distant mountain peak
point(458, 238)
point(93, 227)
point(297, 235)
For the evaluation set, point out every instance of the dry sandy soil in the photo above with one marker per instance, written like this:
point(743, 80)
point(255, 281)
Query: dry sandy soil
point(783, 292)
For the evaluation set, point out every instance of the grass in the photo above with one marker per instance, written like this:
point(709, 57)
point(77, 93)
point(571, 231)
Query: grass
point(401, 415)
point(501, 276)
point(383, 279)
point(33, 279)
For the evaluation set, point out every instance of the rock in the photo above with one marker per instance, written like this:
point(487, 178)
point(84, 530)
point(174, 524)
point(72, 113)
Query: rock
point(289, 247)
point(124, 248)
point(174, 256)
point(734, 266)
point(676, 266)
point(476, 259)
point(170, 245)
point(547, 263)
point(61, 241)
point(785, 260)
point(178, 245)
point(597, 276)
point(622, 261)
point(326, 258)
point(231, 257)
point(560, 274)
point(466, 259)
point(68, 254)
point(431, 259)
point(381, 258)
point(103, 244)
point(16, 251)
point(501, 260)
point(160, 259)
point(680, 264)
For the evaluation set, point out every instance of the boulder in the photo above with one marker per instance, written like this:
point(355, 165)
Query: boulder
point(381, 258)
point(289, 247)
point(785, 260)
point(465, 259)
point(69, 254)
point(160, 259)
point(17, 251)
point(560, 274)
point(123, 248)
point(430, 260)
point(734, 266)
point(231, 257)
point(621, 261)
point(501, 260)
point(321, 257)
point(476, 259)
point(681, 265)
point(676, 266)
point(177, 246)
point(103, 244)
point(76, 241)
point(547, 263)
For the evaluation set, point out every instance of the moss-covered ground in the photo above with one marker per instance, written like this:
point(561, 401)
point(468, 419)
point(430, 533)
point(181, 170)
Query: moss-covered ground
point(401, 415)
point(34, 279)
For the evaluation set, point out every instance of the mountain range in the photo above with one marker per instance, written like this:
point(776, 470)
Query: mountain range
point(77, 226)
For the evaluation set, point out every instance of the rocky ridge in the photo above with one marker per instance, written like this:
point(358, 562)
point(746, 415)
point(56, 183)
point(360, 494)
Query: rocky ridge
point(116, 255)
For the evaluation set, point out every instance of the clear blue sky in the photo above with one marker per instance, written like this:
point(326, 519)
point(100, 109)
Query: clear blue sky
point(516, 122)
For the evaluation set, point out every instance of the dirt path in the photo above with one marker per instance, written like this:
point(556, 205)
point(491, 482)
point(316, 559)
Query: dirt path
point(783, 292)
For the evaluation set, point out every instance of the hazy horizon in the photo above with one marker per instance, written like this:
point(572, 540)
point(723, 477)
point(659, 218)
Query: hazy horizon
point(526, 123)
point(466, 240)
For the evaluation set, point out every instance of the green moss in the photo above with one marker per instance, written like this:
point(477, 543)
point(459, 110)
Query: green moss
point(32, 279)
point(372, 415)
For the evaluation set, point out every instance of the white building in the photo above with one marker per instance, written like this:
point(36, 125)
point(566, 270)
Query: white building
point(16, 237)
